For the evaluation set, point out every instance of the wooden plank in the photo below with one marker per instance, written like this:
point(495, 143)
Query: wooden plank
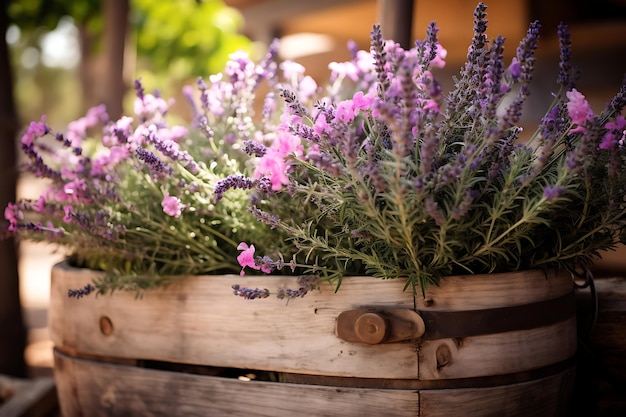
point(495, 290)
point(27, 397)
point(199, 321)
point(547, 397)
point(120, 390)
point(498, 354)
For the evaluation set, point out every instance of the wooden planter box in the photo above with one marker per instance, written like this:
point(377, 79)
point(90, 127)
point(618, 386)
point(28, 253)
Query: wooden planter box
point(495, 345)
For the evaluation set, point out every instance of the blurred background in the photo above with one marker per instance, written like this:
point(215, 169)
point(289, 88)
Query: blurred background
point(60, 57)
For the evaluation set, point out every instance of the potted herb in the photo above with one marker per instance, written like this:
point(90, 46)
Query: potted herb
point(474, 229)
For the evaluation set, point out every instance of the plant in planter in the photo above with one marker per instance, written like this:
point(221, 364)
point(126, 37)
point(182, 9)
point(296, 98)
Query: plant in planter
point(381, 175)
point(408, 181)
point(132, 197)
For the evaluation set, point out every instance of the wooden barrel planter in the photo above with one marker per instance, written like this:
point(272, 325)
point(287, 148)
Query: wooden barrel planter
point(490, 345)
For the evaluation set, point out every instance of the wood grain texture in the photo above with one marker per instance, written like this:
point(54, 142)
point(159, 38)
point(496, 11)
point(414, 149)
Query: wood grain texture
point(198, 321)
point(500, 353)
point(546, 397)
point(120, 390)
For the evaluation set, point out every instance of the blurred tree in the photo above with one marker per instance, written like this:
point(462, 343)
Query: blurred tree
point(35, 18)
point(171, 39)
point(12, 329)
point(184, 38)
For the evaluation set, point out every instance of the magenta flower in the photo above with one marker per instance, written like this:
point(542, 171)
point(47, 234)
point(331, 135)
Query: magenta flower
point(579, 110)
point(172, 206)
point(68, 212)
point(35, 129)
point(12, 213)
point(39, 205)
point(246, 257)
point(273, 165)
point(616, 133)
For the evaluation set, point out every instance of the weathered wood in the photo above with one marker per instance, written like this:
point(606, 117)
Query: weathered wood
point(122, 390)
point(27, 397)
point(199, 321)
point(546, 397)
point(498, 354)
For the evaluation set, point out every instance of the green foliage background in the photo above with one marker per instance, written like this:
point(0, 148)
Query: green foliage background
point(175, 42)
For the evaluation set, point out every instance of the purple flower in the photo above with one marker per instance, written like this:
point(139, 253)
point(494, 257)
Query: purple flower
point(157, 166)
point(81, 292)
point(552, 192)
point(566, 72)
point(250, 293)
point(233, 181)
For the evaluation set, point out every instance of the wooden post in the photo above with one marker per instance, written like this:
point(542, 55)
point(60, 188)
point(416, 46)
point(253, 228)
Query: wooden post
point(396, 20)
point(12, 329)
point(115, 28)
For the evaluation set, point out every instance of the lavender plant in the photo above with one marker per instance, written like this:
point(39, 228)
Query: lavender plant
point(134, 196)
point(380, 173)
point(401, 180)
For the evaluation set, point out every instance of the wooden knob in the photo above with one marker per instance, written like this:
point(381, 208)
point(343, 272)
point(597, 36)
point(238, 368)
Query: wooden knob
point(371, 328)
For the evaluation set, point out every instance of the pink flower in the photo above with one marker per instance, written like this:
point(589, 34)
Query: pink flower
point(321, 126)
point(273, 166)
point(287, 143)
point(172, 206)
point(616, 133)
point(246, 257)
point(292, 70)
point(431, 105)
point(39, 205)
point(68, 212)
point(307, 88)
point(35, 129)
point(75, 188)
point(12, 213)
point(579, 110)
point(346, 111)
point(362, 101)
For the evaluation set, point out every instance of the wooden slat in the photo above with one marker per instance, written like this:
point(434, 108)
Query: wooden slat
point(495, 290)
point(120, 390)
point(547, 397)
point(199, 321)
point(501, 353)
